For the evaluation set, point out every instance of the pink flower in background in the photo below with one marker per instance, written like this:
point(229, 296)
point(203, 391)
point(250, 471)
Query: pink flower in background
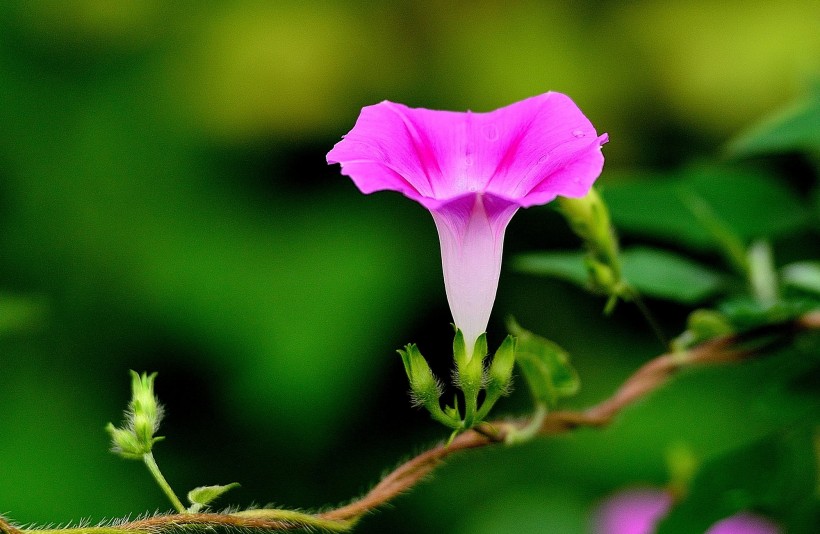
point(634, 511)
point(744, 523)
point(638, 511)
point(473, 171)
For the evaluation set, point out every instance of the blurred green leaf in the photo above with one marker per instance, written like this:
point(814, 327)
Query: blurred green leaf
point(533, 510)
point(653, 272)
point(794, 128)
point(545, 366)
point(20, 313)
point(662, 274)
point(803, 275)
point(775, 475)
point(567, 266)
point(746, 313)
point(752, 204)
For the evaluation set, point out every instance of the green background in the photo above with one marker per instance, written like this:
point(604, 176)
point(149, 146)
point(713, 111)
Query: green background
point(165, 206)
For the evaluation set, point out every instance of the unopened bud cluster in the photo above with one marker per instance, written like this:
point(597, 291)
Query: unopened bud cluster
point(135, 438)
point(589, 218)
point(472, 376)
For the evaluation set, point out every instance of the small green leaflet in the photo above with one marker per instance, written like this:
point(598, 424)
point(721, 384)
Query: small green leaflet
point(202, 496)
point(545, 366)
point(795, 128)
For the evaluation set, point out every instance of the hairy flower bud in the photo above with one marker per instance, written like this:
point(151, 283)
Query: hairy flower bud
point(499, 375)
point(425, 388)
point(136, 437)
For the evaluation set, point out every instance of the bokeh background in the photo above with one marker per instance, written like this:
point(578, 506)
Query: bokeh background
point(165, 206)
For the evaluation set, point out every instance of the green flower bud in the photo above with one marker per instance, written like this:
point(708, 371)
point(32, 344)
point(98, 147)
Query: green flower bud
point(589, 218)
point(580, 213)
point(470, 373)
point(588, 215)
point(143, 401)
point(136, 437)
point(499, 376)
point(424, 386)
point(125, 443)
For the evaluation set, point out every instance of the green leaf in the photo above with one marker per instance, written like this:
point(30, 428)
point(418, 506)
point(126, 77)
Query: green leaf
point(653, 272)
point(20, 313)
point(664, 275)
point(205, 495)
point(746, 313)
point(751, 203)
point(794, 128)
point(545, 366)
point(803, 275)
point(775, 475)
point(568, 266)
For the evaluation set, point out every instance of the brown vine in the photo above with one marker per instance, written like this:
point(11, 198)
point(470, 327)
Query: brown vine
point(648, 378)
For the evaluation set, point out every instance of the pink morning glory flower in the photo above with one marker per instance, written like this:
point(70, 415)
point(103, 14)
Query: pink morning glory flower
point(633, 511)
point(473, 171)
point(639, 510)
point(744, 523)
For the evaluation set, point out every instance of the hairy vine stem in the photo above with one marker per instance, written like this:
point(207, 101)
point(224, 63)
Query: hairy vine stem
point(649, 377)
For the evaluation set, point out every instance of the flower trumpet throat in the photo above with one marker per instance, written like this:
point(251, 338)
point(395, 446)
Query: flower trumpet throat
point(473, 171)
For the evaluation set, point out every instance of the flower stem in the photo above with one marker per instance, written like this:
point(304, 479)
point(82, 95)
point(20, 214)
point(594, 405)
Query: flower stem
point(470, 406)
point(438, 415)
point(486, 406)
point(148, 458)
point(635, 297)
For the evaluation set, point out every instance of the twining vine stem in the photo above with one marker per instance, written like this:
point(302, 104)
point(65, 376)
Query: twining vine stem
point(648, 378)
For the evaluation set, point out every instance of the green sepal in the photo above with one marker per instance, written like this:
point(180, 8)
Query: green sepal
point(480, 350)
point(470, 372)
point(545, 367)
point(470, 375)
point(459, 349)
point(203, 496)
point(425, 388)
